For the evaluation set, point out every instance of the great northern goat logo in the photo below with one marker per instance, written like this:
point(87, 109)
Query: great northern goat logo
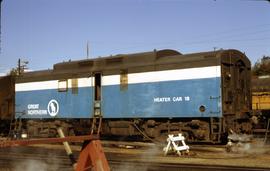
point(53, 108)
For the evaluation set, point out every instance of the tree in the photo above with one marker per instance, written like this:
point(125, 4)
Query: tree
point(262, 66)
point(14, 72)
point(19, 70)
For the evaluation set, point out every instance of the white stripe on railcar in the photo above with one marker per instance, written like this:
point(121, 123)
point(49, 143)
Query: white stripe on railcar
point(111, 80)
point(168, 75)
point(145, 77)
point(52, 84)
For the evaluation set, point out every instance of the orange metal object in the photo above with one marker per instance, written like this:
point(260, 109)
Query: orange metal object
point(92, 158)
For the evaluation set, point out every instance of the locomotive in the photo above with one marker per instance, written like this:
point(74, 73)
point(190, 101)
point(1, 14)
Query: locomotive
point(261, 94)
point(261, 102)
point(150, 95)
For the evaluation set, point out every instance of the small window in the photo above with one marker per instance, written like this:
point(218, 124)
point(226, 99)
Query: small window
point(123, 80)
point(62, 85)
point(74, 85)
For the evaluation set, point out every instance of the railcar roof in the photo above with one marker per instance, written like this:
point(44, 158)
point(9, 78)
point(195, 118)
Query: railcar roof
point(138, 62)
point(118, 59)
point(143, 59)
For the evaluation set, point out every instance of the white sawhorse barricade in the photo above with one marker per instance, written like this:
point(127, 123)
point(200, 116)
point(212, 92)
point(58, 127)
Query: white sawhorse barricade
point(176, 144)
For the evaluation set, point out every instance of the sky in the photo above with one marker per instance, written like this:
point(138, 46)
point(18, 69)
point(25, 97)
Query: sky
point(45, 32)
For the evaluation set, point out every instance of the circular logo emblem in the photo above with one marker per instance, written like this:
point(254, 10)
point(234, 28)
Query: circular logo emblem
point(53, 107)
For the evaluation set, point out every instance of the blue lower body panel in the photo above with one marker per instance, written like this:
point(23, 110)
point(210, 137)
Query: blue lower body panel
point(36, 104)
point(164, 99)
point(170, 99)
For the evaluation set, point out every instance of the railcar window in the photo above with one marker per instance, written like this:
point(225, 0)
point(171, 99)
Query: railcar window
point(62, 85)
point(123, 80)
point(74, 84)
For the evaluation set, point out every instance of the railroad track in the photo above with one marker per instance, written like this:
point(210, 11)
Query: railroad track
point(145, 166)
point(54, 159)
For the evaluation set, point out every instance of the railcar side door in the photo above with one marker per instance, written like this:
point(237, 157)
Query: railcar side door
point(97, 94)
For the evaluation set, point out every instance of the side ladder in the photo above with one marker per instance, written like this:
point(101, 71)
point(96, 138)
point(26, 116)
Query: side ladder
point(216, 129)
point(96, 125)
point(14, 127)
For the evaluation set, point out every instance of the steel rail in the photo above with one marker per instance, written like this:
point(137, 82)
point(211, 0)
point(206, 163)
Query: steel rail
point(12, 143)
point(133, 165)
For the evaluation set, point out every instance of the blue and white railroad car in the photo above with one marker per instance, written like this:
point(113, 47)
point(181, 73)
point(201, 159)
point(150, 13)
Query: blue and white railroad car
point(202, 94)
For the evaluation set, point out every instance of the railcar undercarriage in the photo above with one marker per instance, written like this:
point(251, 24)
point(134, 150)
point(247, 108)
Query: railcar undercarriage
point(195, 130)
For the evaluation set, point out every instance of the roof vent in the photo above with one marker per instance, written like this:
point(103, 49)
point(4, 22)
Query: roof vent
point(166, 52)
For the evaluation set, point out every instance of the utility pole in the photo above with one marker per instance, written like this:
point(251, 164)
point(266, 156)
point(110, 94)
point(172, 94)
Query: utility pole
point(19, 66)
point(22, 65)
point(87, 50)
